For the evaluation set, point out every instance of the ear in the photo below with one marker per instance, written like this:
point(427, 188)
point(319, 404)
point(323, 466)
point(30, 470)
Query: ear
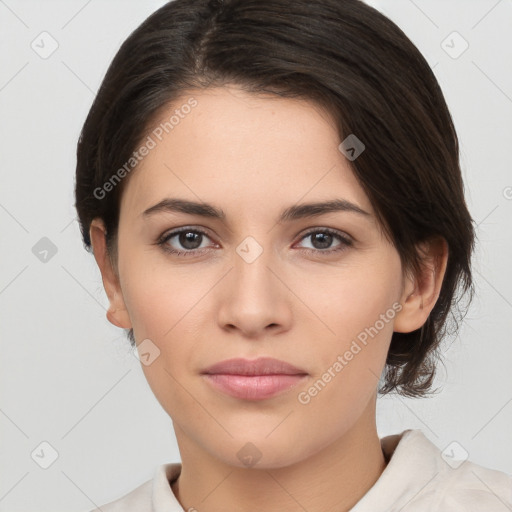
point(420, 292)
point(117, 313)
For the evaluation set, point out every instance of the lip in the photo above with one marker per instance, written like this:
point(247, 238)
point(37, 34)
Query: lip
point(260, 366)
point(257, 379)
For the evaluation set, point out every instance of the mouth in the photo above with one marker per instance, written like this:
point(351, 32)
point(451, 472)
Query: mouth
point(258, 379)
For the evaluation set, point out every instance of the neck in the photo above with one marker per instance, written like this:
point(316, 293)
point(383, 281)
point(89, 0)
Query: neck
point(331, 480)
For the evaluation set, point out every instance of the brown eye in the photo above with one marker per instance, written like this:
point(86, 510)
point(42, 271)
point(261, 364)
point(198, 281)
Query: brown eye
point(190, 239)
point(322, 240)
point(187, 241)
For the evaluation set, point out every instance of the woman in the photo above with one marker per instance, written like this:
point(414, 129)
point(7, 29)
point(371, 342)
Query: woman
point(273, 196)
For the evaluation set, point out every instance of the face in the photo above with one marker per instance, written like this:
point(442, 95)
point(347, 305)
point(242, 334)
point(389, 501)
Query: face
point(318, 288)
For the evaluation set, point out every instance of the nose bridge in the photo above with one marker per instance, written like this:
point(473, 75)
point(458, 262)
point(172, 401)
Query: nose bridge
point(251, 270)
point(254, 299)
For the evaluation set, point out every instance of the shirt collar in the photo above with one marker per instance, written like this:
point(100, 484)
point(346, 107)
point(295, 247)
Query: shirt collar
point(414, 466)
point(414, 463)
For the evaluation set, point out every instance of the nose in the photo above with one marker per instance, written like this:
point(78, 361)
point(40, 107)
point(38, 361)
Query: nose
point(254, 298)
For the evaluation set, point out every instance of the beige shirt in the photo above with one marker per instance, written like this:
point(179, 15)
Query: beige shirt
point(418, 478)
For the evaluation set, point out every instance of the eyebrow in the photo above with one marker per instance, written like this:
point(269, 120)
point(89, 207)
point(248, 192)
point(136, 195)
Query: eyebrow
point(291, 213)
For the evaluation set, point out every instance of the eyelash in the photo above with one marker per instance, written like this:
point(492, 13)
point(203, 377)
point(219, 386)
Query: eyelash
point(345, 242)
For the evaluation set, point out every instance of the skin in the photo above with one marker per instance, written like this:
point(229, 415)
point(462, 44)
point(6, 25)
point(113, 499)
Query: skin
point(253, 156)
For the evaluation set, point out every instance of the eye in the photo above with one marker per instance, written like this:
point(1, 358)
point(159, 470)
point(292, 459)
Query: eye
point(188, 239)
point(322, 240)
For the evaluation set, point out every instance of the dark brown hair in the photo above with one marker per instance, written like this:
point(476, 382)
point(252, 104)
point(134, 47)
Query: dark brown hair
point(347, 57)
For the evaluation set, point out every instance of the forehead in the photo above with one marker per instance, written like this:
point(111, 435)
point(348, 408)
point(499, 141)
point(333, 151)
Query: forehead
point(239, 147)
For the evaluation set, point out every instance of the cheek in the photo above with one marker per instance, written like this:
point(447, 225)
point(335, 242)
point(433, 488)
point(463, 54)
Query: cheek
point(357, 313)
point(167, 306)
point(160, 297)
point(348, 368)
point(347, 301)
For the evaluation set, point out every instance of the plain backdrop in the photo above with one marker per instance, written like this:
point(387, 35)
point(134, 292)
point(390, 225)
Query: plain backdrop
point(68, 377)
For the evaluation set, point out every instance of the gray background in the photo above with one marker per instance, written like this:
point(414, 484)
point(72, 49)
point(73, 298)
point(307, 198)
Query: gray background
point(68, 376)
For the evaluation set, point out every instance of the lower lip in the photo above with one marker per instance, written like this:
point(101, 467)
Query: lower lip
point(256, 387)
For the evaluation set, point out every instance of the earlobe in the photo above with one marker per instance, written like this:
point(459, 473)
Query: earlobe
point(420, 292)
point(117, 313)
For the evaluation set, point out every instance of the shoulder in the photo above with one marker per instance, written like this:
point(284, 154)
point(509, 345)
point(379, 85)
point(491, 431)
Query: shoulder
point(419, 477)
point(153, 493)
point(472, 487)
point(139, 499)
point(457, 485)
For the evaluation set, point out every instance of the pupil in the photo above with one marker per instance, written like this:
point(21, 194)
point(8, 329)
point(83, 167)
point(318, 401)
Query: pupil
point(325, 240)
point(188, 238)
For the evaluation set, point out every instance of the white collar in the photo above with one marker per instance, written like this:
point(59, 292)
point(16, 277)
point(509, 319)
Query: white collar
point(416, 478)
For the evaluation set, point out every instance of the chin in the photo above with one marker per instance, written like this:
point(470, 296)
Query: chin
point(259, 453)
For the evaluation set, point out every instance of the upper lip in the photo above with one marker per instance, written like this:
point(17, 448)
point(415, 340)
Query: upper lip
point(260, 366)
